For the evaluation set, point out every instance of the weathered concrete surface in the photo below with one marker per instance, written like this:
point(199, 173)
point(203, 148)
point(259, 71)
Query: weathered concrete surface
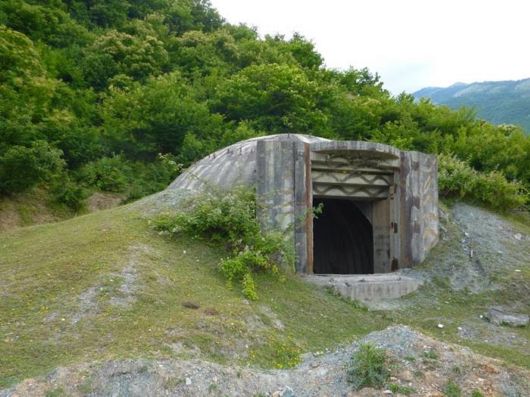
point(275, 184)
point(232, 166)
point(287, 170)
point(419, 205)
point(367, 287)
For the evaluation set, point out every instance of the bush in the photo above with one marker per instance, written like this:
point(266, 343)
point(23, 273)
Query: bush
point(66, 192)
point(229, 218)
point(110, 174)
point(152, 177)
point(368, 367)
point(23, 167)
point(457, 179)
point(451, 389)
point(137, 179)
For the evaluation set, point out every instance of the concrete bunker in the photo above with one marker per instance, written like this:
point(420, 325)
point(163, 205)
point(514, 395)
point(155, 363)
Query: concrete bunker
point(380, 204)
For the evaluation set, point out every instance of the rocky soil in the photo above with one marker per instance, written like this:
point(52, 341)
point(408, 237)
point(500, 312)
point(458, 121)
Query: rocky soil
point(419, 364)
point(486, 246)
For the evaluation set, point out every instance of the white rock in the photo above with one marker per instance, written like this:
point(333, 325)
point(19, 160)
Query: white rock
point(440, 325)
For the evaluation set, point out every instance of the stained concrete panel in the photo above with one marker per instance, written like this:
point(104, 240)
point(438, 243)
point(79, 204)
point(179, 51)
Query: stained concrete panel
point(419, 206)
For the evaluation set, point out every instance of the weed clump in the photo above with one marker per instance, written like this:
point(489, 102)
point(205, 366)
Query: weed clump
point(401, 389)
point(368, 367)
point(229, 219)
point(452, 389)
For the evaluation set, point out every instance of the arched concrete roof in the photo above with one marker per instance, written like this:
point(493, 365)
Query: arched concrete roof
point(232, 166)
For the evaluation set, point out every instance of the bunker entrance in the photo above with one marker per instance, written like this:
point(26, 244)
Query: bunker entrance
point(343, 237)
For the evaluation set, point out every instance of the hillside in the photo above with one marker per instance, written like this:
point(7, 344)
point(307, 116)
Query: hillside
point(499, 102)
point(120, 96)
point(104, 294)
point(105, 286)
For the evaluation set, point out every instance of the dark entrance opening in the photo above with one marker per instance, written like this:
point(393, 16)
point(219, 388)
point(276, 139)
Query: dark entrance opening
point(342, 239)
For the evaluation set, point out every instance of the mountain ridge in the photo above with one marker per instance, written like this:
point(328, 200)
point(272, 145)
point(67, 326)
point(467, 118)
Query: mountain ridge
point(500, 102)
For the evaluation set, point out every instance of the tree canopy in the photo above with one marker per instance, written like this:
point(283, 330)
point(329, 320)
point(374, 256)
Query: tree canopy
point(95, 87)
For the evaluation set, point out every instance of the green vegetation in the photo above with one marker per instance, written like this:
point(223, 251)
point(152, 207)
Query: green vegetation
point(117, 95)
point(401, 389)
point(458, 179)
point(62, 301)
point(368, 367)
point(451, 389)
point(56, 393)
point(230, 219)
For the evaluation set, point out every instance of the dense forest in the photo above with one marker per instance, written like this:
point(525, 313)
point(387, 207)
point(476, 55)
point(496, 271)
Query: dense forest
point(499, 102)
point(120, 95)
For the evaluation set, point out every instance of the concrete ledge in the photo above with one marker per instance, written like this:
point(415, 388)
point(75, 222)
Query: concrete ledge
point(367, 287)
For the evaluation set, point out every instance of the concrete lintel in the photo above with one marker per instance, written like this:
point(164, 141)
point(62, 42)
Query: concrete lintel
point(377, 150)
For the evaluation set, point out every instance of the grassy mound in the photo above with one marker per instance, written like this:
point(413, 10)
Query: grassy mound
point(106, 285)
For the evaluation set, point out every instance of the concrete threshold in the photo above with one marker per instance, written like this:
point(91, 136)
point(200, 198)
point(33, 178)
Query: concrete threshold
point(367, 287)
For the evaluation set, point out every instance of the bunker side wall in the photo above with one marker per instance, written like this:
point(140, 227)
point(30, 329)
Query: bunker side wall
point(275, 188)
point(419, 206)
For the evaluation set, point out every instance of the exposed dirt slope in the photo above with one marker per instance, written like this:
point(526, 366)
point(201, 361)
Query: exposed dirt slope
point(36, 208)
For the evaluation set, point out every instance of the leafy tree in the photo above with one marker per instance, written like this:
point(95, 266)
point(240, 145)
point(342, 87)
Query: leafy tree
point(25, 89)
point(197, 53)
point(304, 52)
point(186, 15)
point(51, 25)
point(110, 85)
point(23, 167)
point(144, 120)
point(121, 53)
point(274, 98)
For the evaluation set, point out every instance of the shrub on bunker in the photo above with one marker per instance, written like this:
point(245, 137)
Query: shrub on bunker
point(229, 218)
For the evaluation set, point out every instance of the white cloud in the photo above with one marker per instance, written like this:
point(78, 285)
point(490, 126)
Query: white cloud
point(410, 43)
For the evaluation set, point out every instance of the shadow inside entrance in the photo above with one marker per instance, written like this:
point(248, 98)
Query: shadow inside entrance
point(342, 238)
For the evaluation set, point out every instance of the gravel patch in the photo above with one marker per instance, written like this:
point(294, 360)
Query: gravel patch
point(415, 360)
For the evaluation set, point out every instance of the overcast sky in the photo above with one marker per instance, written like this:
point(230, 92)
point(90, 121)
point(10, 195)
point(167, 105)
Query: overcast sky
point(410, 43)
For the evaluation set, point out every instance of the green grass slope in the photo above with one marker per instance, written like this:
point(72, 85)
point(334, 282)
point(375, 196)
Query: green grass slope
point(105, 286)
